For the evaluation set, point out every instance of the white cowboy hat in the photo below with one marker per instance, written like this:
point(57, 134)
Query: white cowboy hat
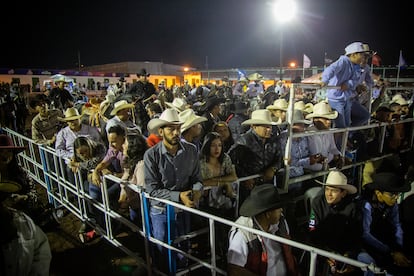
point(178, 104)
point(255, 77)
point(119, 105)
point(338, 180)
point(354, 47)
point(167, 117)
point(323, 110)
point(260, 117)
point(71, 114)
point(190, 119)
point(305, 108)
point(280, 104)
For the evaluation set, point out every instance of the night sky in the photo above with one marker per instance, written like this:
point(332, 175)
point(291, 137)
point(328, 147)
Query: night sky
point(231, 33)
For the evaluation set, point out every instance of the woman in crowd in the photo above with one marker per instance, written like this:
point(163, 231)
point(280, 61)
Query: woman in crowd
point(134, 148)
point(223, 129)
point(218, 174)
point(87, 155)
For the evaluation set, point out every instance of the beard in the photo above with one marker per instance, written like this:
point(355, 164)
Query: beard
point(173, 140)
point(319, 125)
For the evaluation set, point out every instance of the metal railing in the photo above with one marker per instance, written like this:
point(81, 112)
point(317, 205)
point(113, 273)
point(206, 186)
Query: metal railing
point(48, 170)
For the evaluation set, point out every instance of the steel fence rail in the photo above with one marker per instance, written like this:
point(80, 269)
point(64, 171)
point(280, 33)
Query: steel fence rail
point(72, 196)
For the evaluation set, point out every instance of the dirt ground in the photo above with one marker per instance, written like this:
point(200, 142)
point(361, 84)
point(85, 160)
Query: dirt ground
point(71, 257)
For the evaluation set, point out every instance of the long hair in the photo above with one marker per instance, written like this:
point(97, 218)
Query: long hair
point(85, 141)
point(137, 145)
point(205, 148)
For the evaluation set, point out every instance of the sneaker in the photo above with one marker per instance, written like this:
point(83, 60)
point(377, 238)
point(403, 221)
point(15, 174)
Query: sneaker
point(89, 237)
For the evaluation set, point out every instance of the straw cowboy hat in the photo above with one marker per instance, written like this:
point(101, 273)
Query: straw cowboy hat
point(71, 114)
point(298, 118)
point(255, 77)
point(262, 198)
point(389, 182)
point(119, 105)
point(323, 110)
point(167, 117)
point(243, 79)
point(305, 108)
point(260, 117)
point(337, 179)
point(6, 142)
point(59, 78)
point(279, 104)
point(178, 104)
point(190, 119)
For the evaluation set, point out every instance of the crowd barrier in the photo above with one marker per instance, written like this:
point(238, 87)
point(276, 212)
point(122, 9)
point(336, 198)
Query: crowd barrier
point(48, 170)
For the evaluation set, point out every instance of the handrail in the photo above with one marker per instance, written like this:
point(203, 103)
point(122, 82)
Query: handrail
point(65, 190)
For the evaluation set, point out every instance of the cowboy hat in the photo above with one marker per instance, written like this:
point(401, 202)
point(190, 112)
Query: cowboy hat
point(255, 77)
point(143, 72)
point(190, 119)
point(6, 142)
point(240, 107)
point(323, 110)
point(354, 47)
point(119, 105)
point(59, 78)
point(262, 198)
point(305, 108)
point(279, 104)
point(7, 186)
point(389, 182)
point(298, 118)
point(71, 114)
point(243, 79)
point(260, 117)
point(337, 179)
point(212, 101)
point(178, 104)
point(168, 117)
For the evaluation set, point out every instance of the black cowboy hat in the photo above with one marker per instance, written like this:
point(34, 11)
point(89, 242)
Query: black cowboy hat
point(389, 182)
point(143, 72)
point(212, 101)
point(262, 198)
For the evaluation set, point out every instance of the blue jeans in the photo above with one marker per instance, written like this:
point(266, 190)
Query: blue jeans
point(113, 196)
point(181, 227)
point(344, 112)
point(359, 114)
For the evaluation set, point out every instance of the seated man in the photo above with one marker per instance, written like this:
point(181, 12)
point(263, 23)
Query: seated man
point(251, 254)
point(335, 218)
point(323, 144)
point(382, 232)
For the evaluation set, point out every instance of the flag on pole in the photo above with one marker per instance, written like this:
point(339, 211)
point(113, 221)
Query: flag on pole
point(306, 61)
point(376, 60)
point(241, 74)
point(401, 61)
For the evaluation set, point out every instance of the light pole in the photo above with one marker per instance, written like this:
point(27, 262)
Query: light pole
point(284, 11)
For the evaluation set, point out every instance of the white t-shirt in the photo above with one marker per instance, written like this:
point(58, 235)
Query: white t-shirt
point(238, 249)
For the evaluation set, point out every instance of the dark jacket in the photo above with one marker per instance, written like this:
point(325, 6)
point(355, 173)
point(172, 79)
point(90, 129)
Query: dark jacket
point(336, 227)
